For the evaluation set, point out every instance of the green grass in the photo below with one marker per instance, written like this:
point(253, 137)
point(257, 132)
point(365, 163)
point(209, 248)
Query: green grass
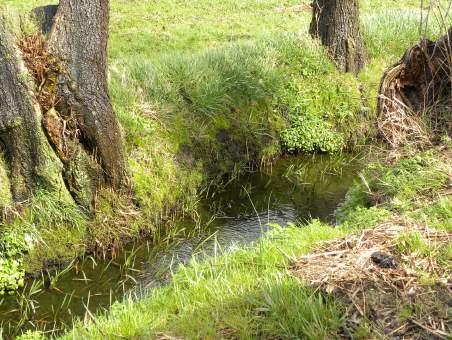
point(49, 229)
point(412, 186)
point(244, 294)
point(205, 89)
point(248, 292)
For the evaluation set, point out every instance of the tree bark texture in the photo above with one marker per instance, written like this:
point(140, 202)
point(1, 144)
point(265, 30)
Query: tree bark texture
point(336, 23)
point(18, 123)
point(418, 85)
point(79, 39)
point(66, 119)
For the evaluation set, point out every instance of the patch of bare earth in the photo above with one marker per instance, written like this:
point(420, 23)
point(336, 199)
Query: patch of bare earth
point(392, 300)
point(294, 9)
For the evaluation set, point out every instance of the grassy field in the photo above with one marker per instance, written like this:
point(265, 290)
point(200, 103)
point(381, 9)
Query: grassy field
point(212, 88)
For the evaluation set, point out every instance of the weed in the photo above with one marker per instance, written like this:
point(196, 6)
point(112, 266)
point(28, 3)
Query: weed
point(311, 135)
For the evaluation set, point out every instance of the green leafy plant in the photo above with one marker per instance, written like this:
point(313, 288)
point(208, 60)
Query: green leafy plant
point(311, 134)
point(11, 264)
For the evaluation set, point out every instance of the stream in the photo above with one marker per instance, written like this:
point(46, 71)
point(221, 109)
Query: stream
point(294, 189)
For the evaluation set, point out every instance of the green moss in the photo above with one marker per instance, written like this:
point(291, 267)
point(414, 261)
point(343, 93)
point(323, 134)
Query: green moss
point(48, 231)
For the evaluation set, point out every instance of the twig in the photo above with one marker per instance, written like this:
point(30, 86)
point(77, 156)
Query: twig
point(435, 332)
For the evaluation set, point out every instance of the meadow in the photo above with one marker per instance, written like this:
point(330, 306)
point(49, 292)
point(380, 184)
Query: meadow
point(205, 91)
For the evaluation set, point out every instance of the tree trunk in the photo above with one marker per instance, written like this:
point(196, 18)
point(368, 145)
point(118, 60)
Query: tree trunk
point(29, 158)
point(336, 23)
point(421, 82)
point(18, 123)
point(64, 127)
point(79, 39)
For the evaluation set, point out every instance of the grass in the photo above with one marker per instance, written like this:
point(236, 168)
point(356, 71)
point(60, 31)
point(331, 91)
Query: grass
point(242, 294)
point(5, 194)
point(206, 89)
point(248, 292)
point(412, 186)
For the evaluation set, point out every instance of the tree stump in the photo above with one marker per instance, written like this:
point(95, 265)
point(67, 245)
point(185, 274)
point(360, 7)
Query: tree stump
point(417, 87)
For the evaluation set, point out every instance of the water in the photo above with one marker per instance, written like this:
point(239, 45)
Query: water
point(294, 189)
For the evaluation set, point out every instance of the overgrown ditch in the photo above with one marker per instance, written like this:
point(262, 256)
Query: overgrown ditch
point(294, 189)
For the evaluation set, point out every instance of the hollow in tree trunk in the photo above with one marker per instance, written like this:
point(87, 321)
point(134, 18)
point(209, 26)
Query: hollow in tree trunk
point(336, 23)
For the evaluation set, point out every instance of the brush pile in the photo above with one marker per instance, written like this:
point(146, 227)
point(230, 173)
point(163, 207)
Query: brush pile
point(417, 87)
point(394, 300)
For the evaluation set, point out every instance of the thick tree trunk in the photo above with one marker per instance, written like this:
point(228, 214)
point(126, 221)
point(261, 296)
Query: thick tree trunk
point(68, 110)
point(18, 123)
point(29, 158)
point(421, 82)
point(336, 23)
point(79, 39)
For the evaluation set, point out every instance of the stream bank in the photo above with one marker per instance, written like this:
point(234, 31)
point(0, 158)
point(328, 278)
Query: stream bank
point(292, 190)
point(251, 292)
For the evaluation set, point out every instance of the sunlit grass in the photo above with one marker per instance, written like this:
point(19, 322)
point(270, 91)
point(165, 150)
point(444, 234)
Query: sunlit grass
point(201, 90)
point(244, 293)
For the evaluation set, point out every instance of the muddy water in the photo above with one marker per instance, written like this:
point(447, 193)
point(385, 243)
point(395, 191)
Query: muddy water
point(294, 189)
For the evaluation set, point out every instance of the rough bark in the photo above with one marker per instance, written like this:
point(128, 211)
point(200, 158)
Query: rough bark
point(79, 39)
point(29, 158)
point(61, 133)
point(18, 124)
point(419, 83)
point(336, 23)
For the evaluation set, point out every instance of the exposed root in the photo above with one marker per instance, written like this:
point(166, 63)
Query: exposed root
point(393, 300)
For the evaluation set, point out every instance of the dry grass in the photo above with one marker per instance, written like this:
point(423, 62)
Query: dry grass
point(43, 68)
point(394, 301)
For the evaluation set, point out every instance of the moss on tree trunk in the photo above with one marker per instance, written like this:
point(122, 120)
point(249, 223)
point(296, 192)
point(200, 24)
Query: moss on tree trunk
point(60, 134)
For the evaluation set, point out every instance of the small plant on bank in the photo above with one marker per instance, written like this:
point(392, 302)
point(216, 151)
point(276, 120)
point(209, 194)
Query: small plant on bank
point(312, 134)
point(12, 272)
